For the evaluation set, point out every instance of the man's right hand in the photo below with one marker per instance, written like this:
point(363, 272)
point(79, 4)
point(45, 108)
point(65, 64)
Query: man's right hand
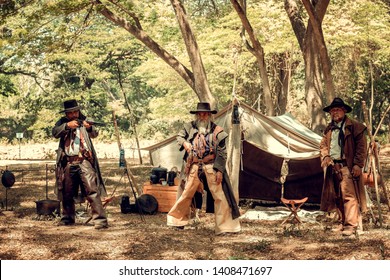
point(73, 124)
point(187, 146)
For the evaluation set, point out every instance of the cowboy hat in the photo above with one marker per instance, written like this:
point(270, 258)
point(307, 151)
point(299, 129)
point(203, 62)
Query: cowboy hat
point(203, 107)
point(70, 106)
point(338, 102)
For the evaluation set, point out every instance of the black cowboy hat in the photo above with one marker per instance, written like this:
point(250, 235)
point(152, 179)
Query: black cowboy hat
point(70, 106)
point(203, 107)
point(338, 102)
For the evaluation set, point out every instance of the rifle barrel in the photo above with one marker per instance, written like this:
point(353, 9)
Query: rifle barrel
point(93, 122)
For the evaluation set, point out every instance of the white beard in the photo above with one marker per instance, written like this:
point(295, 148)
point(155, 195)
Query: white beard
point(202, 126)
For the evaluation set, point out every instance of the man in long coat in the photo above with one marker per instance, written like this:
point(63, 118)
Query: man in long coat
point(343, 153)
point(77, 165)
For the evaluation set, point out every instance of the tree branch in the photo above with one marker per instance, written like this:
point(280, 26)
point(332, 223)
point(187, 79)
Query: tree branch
point(142, 36)
point(131, 14)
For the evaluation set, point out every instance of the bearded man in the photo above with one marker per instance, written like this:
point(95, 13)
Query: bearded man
point(343, 152)
point(77, 165)
point(205, 155)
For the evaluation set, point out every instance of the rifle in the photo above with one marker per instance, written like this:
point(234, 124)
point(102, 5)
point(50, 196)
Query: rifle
point(91, 122)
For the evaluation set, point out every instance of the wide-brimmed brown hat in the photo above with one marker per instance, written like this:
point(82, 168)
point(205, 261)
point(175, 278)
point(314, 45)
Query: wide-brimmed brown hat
point(338, 102)
point(70, 106)
point(203, 107)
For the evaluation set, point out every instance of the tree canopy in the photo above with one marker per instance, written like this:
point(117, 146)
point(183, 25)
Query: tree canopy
point(54, 50)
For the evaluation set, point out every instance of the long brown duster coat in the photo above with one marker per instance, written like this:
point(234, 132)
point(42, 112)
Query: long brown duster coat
point(355, 151)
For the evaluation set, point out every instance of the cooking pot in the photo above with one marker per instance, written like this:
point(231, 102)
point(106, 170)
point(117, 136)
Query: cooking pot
point(48, 207)
point(154, 179)
point(160, 172)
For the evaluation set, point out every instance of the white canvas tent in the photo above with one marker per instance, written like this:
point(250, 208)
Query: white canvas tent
point(266, 143)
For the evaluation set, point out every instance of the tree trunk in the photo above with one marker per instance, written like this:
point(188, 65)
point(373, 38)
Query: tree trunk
point(316, 17)
point(136, 30)
point(257, 50)
point(201, 82)
point(313, 84)
point(282, 74)
point(313, 87)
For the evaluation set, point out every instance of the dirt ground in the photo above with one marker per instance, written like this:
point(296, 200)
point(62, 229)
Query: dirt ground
point(25, 235)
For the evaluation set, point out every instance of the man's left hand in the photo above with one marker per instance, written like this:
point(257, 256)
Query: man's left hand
point(87, 125)
point(218, 177)
point(356, 171)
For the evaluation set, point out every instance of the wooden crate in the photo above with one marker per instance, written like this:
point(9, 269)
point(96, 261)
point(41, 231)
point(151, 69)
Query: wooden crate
point(165, 195)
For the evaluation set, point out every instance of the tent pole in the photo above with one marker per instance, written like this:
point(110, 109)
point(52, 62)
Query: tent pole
point(235, 150)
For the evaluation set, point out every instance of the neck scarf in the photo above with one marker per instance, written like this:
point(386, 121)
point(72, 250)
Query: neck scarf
point(74, 147)
point(341, 140)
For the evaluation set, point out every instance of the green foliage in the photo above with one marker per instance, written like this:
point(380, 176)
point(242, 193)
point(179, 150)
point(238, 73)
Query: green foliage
point(359, 45)
point(54, 50)
point(7, 87)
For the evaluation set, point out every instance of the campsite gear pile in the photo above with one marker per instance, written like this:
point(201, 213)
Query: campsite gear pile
point(160, 175)
point(372, 173)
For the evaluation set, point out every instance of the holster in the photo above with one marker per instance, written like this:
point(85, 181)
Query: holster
point(59, 170)
point(337, 171)
point(193, 159)
point(88, 156)
point(206, 160)
point(189, 161)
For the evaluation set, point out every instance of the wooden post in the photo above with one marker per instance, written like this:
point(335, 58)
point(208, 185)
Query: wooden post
point(129, 173)
point(372, 161)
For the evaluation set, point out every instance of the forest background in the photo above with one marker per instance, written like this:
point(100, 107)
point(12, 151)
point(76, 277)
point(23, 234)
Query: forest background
point(133, 58)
